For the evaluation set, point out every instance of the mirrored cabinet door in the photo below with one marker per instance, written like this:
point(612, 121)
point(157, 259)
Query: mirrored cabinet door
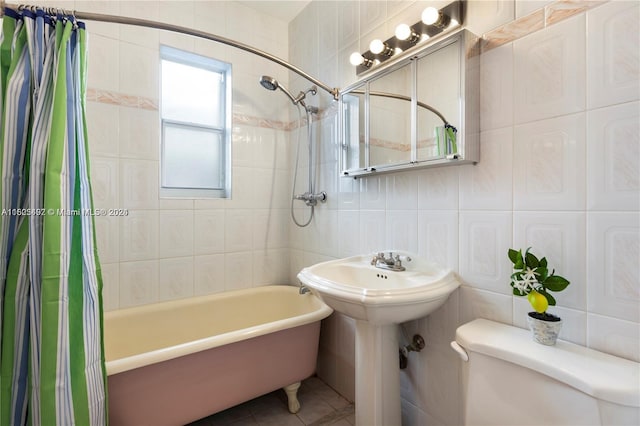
point(438, 93)
point(353, 129)
point(390, 118)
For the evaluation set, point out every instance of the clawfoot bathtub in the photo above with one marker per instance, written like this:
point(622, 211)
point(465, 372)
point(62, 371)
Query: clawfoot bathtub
point(176, 362)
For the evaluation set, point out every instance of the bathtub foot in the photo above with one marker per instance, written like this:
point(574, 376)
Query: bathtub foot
point(292, 396)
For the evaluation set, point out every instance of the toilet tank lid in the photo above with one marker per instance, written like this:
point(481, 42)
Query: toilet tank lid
point(598, 374)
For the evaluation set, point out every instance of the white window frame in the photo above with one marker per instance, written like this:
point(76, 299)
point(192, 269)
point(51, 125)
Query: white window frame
point(224, 68)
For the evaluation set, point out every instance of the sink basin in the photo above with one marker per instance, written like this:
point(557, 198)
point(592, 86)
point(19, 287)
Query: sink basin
point(379, 299)
point(364, 292)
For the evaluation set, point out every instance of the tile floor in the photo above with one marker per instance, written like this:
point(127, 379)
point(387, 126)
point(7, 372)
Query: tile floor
point(320, 406)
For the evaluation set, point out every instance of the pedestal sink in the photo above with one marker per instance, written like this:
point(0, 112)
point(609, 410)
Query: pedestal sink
point(379, 299)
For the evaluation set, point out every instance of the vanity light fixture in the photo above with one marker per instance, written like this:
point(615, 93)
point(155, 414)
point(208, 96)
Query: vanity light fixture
point(357, 59)
point(433, 22)
point(378, 47)
point(405, 32)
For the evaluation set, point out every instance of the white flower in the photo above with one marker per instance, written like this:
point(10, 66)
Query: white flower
point(527, 281)
point(530, 274)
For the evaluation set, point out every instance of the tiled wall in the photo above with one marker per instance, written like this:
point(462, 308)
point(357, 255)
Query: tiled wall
point(559, 171)
point(167, 249)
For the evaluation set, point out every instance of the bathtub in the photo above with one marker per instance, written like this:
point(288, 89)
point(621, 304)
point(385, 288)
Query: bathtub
point(176, 362)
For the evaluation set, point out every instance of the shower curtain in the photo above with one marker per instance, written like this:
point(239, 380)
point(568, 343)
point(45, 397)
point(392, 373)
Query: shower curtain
point(51, 361)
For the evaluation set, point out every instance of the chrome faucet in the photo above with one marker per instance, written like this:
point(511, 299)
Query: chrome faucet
point(391, 263)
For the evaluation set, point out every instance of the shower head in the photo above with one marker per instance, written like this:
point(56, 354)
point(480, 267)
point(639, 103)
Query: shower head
point(269, 83)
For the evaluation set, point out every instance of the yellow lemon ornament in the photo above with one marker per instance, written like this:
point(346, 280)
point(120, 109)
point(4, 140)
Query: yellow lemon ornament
point(538, 301)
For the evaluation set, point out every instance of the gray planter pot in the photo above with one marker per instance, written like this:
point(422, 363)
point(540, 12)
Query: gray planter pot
point(544, 332)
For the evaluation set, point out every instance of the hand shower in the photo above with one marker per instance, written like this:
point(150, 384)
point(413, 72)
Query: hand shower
point(309, 197)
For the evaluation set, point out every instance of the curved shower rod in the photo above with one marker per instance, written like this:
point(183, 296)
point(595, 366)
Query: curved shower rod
point(333, 91)
point(402, 98)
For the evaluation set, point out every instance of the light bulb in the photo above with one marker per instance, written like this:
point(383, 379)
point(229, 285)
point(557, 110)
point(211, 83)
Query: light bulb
point(376, 46)
point(430, 15)
point(397, 51)
point(356, 59)
point(403, 32)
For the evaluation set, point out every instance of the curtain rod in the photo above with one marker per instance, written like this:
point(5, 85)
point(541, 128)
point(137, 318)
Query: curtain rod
point(183, 30)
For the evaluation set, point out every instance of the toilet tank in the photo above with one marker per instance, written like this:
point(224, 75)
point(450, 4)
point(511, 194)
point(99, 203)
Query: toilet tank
point(508, 379)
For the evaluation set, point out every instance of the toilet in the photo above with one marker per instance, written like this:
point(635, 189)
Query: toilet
point(508, 379)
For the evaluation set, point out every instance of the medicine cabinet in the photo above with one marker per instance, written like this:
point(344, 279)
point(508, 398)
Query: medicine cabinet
point(419, 110)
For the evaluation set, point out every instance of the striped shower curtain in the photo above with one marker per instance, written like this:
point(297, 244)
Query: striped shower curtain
point(51, 360)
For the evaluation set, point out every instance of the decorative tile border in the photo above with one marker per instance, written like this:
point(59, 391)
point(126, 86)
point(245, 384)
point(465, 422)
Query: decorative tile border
point(132, 101)
point(115, 98)
point(538, 20)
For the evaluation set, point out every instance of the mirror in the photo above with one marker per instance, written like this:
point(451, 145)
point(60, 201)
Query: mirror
point(420, 110)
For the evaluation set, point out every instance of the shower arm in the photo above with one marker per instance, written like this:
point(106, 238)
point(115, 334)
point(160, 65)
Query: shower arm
point(334, 92)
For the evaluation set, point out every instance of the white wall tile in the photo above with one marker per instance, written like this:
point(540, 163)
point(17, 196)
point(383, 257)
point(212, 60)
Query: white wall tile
point(441, 324)
point(138, 35)
point(139, 236)
point(438, 237)
point(476, 303)
point(138, 283)
point(483, 16)
point(613, 158)
point(103, 129)
point(488, 185)
point(138, 184)
point(139, 133)
point(402, 190)
point(238, 270)
point(614, 336)
point(373, 193)
point(348, 23)
point(561, 238)
point(613, 55)
point(271, 229)
point(270, 267)
point(104, 29)
point(176, 278)
point(549, 164)
point(104, 183)
point(441, 384)
point(107, 230)
point(525, 7)
point(321, 241)
point(238, 230)
point(485, 239)
point(349, 232)
point(549, 68)
point(103, 63)
point(140, 75)
point(242, 189)
point(438, 188)
point(402, 230)
point(613, 271)
point(176, 233)
point(496, 88)
point(372, 230)
point(208, 274)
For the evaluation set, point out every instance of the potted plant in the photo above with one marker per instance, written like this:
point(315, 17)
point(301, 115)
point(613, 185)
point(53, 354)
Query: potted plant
point(531, 278)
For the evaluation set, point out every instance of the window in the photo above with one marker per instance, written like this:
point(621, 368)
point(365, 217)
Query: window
point(195, 112)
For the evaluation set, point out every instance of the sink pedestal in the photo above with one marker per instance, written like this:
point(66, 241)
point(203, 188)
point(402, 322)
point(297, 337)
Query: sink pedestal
point(377, 375)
